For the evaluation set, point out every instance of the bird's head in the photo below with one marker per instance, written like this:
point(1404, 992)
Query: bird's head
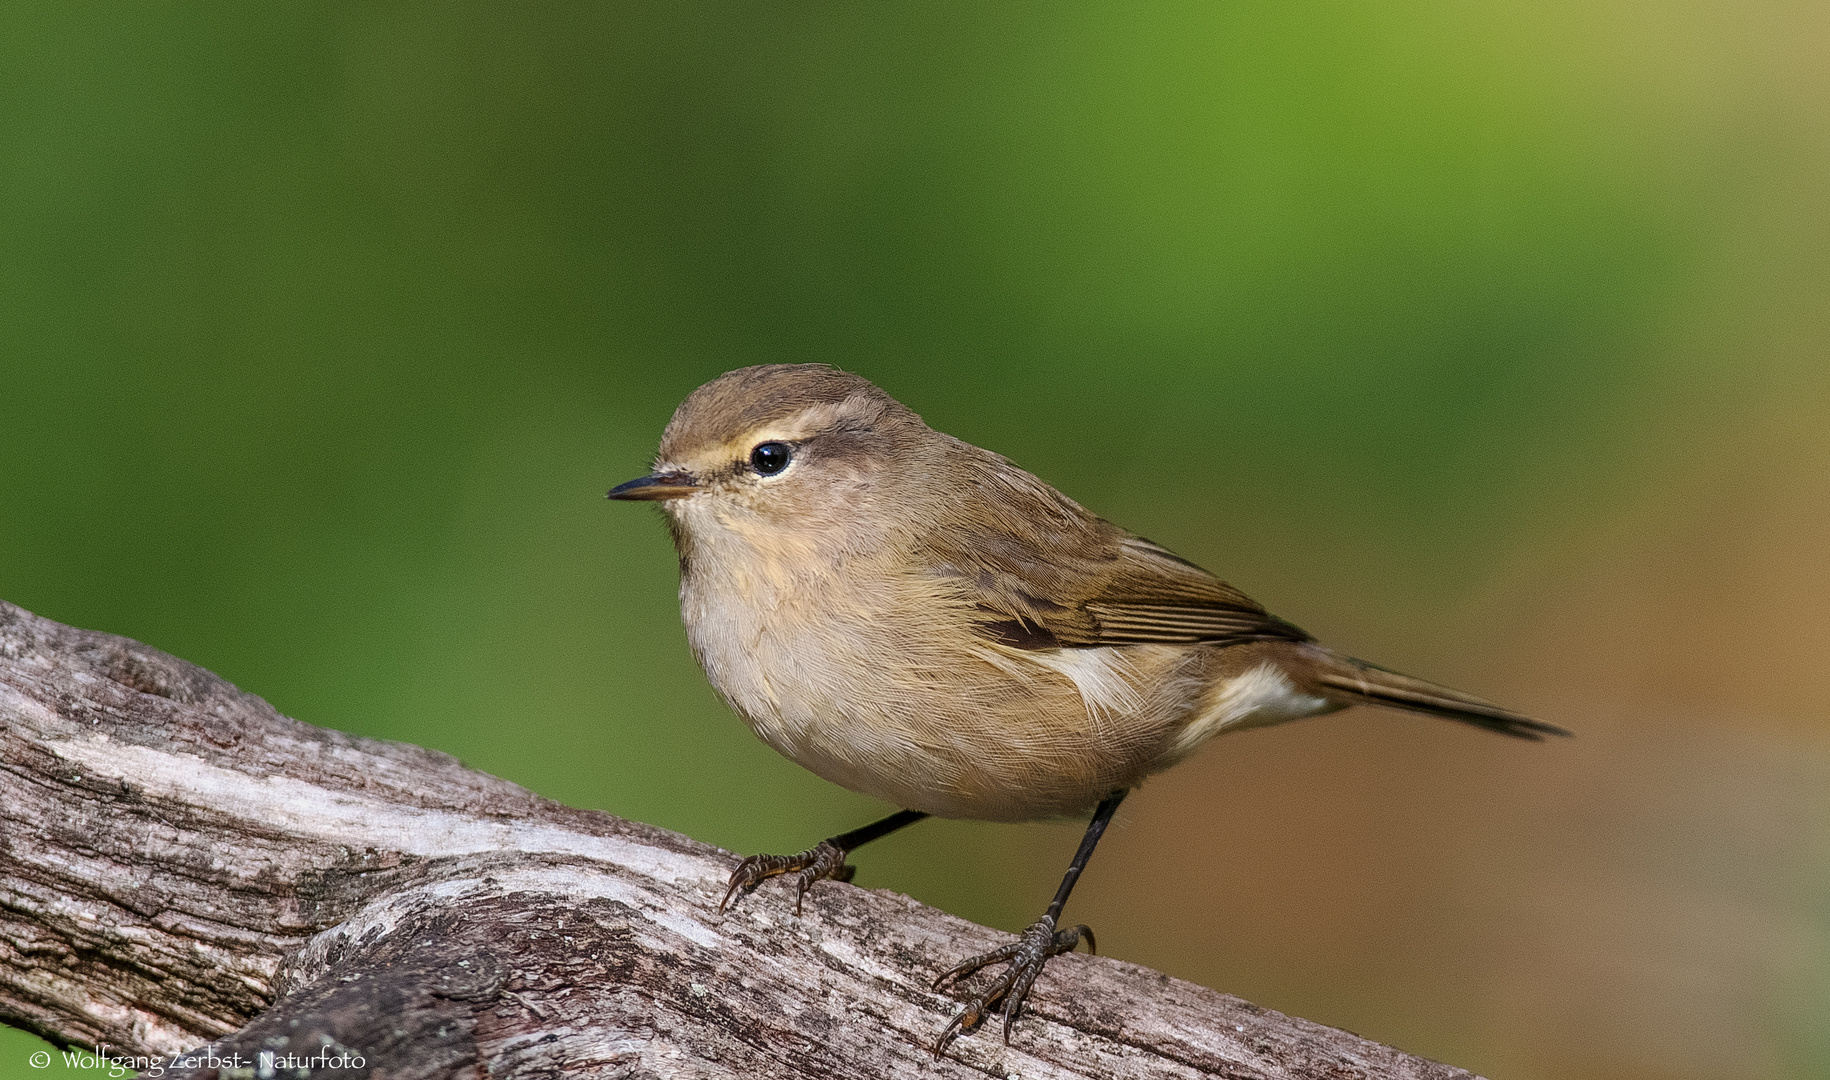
point(786, 456)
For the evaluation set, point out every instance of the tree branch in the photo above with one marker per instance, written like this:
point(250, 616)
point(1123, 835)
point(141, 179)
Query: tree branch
point(181, 865)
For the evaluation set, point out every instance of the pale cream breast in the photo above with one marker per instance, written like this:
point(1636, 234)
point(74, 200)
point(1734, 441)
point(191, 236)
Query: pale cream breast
point(873, 679)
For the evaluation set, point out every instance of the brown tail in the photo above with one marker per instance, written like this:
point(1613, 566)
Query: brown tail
point(1357, 682)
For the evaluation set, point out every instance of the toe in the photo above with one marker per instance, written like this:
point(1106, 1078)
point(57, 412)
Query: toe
point(982, 960)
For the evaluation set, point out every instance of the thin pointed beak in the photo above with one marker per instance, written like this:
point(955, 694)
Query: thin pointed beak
point(662, 485)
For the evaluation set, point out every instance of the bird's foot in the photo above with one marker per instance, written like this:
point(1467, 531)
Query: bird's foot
point(825, 860)
point(1026, 956)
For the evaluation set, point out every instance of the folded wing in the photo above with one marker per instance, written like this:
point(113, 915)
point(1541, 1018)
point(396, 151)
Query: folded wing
point(1046, 573)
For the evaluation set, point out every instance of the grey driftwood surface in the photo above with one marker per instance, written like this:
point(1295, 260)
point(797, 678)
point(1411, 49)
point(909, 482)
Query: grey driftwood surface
point(182, 867)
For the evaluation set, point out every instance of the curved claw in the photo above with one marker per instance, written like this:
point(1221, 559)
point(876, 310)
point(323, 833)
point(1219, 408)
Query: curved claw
point(1026, 955)
point(824, 860)
point(967, 1018)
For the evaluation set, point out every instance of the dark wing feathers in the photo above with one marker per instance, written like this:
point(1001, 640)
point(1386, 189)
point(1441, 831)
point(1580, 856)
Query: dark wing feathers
point(1128, 624)
point(1048, 574)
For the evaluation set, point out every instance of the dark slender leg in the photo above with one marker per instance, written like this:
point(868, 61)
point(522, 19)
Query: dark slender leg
point(1032, 949)
point(824, 860)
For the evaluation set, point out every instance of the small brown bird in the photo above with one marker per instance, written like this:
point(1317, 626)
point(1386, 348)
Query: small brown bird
point(919, 620)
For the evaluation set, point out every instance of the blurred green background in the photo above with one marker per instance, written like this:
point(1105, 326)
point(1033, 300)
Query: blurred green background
point(1489, 341)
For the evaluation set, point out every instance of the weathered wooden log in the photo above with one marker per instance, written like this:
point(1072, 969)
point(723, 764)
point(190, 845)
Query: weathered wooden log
point(184, 871)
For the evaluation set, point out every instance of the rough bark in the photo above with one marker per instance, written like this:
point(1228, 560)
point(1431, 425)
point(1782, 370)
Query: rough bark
point(183, 867)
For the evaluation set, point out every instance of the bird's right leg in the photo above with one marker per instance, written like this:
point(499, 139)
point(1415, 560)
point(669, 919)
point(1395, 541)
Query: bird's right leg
point(1029, 952)
point(824, 860)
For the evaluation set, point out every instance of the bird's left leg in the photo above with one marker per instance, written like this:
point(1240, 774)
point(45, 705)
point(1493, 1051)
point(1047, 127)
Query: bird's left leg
point(1031, 950)
point(824, 860)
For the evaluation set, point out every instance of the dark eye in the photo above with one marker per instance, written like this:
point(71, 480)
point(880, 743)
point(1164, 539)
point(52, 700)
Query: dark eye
point(770, 458)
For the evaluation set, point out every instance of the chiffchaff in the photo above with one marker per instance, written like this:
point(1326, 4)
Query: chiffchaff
point(918, 619)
